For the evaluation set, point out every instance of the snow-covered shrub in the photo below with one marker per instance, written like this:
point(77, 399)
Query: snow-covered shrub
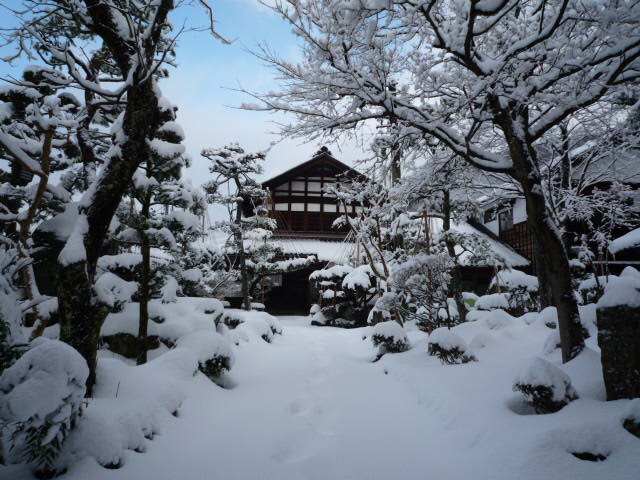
point(262, 323)
point(43, 395)
point(522, 290)
point(344, 295)
point(389, 337)
point(493, 301)
point(422, 285)
point(631, 421)
point(259, 326)
point(497, 319)
point(212, 350)
point(256, 319)
point(449, 347)
point(545, 386)
point(384, 309)
point(549, 316)
point(592, 288)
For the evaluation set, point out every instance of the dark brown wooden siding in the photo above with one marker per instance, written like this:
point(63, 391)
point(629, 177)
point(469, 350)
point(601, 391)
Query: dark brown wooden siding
point(301, 200)
point(520, 239)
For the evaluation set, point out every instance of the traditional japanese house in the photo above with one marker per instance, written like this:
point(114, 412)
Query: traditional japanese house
point(301, 202)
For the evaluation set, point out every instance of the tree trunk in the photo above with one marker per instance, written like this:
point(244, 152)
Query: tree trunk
point(396, 171)
point(239, 239)
point(80, 319)
point(555, 274)
point(456, 271)
point(544, 284)
point(145, 279)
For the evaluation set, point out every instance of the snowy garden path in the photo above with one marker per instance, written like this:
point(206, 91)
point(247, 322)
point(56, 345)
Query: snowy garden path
point(311, 405)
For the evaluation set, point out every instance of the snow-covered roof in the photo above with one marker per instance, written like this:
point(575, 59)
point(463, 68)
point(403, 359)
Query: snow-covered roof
point(512, 258)
point(335, 251)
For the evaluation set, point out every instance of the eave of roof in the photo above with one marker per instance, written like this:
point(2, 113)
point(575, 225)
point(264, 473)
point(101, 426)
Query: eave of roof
point(322, 154)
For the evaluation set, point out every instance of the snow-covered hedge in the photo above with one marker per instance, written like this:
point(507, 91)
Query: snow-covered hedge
point(449, 347)
point(43, 395)
point(545, 386)
point(389, 337)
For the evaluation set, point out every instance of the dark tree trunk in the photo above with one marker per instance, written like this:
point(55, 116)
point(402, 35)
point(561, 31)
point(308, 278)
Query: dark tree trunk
point(544, 289)
point(239, 239)
point(80, 318)
point(145, 279)
point(555, 274)
point(396, 171)
point(80, 321)
point(456, 272)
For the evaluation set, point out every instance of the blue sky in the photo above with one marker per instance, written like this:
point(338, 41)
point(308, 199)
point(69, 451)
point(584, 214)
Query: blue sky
point(206, 67)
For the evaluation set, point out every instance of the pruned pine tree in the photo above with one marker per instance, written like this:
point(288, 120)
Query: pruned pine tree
point(233, 170)
point(487, 79)
point(157, 211)
point(114, 52)
point(38, 127)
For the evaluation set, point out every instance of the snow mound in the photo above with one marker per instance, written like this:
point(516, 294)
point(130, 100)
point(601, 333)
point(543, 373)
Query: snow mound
point(42, 399)
point(449, 347)
point(549, 317)
point(626, 241)
point(552, 342)
point(497, 319)
point(623, 290)
point(262, 323)
point(209, 348)
point(545, 386)
point(512, 279)
point(447, 339)
point(493, 301)
point(40, 381)
point(389, 337)
point(542, 372)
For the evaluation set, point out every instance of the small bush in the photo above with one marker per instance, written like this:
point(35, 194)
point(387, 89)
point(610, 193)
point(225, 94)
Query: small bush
point(449, 347)
point(212, 350)
point(546, 387)
point(389, 337)
point(215, 366)
point(43, 396)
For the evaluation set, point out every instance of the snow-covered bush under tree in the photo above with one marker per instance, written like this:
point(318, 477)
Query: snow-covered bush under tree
point(42, 399)
point(545, 386)
point(449, 347)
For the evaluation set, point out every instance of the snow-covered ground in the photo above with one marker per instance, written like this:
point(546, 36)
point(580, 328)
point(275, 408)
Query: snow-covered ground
point(312, 405)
